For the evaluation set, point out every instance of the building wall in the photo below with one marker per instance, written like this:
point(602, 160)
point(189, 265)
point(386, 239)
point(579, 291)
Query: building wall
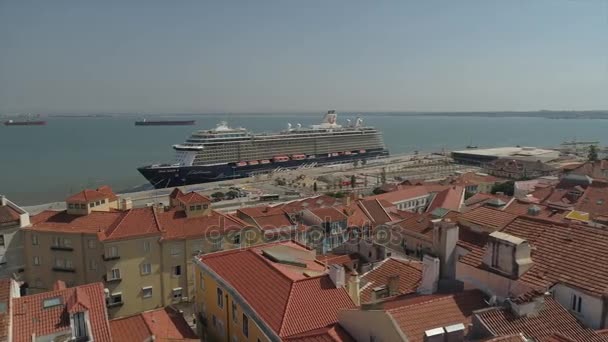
point(378, 327)
point(414, 204)
point(132, 255)
point(590, 309)
point(11, 252)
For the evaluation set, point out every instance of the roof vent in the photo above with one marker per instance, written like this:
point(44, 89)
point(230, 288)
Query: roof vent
point(454, 333)
point(533, 210)
point(434, 335)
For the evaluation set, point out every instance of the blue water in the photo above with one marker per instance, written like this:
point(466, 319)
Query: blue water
point(43, 164)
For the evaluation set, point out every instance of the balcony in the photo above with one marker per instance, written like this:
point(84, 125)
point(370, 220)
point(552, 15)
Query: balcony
point(108, 258)
point(111, 280)
point(64, 269)
point(115, 304)
point(62, 248)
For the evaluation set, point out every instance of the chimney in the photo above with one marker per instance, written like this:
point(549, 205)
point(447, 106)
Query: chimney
point(354, 287)
point(59, 285)
point(3, 200)
point(336, 274)
point(527, 309)
point(393, 285)
point(126, 204)
point(454, 333)
point(430, 275)
point(434, 335)
point(508, 254)
point(445, 238)
point(533, 210)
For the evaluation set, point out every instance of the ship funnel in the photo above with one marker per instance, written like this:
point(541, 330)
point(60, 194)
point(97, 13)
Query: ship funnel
point(359, 122)
point(348, 122)
point(288, 126)
point(330, 118)
point(299, 125)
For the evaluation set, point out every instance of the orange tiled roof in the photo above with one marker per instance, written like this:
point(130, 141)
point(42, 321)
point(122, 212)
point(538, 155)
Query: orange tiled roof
point(329, 214)
point(136, 222)
point(416, 315)
point(8, 214)
point(333, 333)
point(5, 297)
point(571, 254)
point(176, 225)
point(521, 208)
point(407, 192)
point(376, 210)
point(552, 318)
point(419, 224)
point(30, 317)
point(337, 259)
point(322, 201)
point(596, 170)
point(61, 221)
point(487, 218)
point(409, 272)
point(164, 324)
point(297, 303)
point(595, 199)
point(507, 338)
point(450, 198)
point(193, 197)
point(88, 195)
point(480, 199)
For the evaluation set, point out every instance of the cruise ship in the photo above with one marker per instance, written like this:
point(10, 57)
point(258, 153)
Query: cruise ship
point(225, 153)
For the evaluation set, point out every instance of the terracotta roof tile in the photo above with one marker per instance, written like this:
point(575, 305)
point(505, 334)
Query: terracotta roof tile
point(419, 224)
point(337, 259)
point(552, 318)
point(570, 254)
point(407, 192)
point(164, 324)
point(450, 198)
point(8, 214)
point(193, 197)
point(136, 222)
point(334, 333)
point(487, 219)
point(596, 170)
point(61, 221)
point(130, 329)
point(508, 338)
point(329, 214)
point(176, 225)
point(480, 199)
point(296, 303)
point(409, 272)
point(522, 208)
point(88, 195)
point(416, 315)
point(375, 210)
point(30, 317)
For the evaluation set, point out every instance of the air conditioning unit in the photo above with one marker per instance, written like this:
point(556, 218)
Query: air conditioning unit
point(185, 299)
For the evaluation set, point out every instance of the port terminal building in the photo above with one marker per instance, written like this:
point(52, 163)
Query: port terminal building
point(480, 157)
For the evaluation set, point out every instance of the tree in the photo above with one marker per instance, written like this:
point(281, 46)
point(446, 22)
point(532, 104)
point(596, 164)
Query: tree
point(314, 187)
point(218, 195)
point(232, 194)
point(592, 155)
point(507, 188)
point(353, 181)
point(378, 191)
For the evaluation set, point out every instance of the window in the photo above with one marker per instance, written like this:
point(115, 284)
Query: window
point(82, 206)
point(175, 251)
point(146, 269)
point(92, 264)
point(71, 206)
point(220, 298)
point(114, 274)
point(92, 204)
point(92, 244)
point(103, 201)
point(115, 298)
point(177, 271)
point(1, 240)
point(146, 291)
point(36, 261)
point(236, 239)
point(177, 294)
point(67, 242)
point(245, 326)
point(56, 241)
point(34, 240)
point(98, 203)
point(80, 326)
point(60, 263)
point(576, 303)
point(198, 207)
point(112, 251)
point(218, 244)
point(68, 263)
point(146, 246)
point(234, 312)
point(205, 206)
point(192, 207)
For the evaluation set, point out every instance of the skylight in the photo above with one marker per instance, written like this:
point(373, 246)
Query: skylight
point(51, 302)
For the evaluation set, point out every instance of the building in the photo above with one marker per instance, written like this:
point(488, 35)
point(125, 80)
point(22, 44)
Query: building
point(272, 292)
point(480, 157)
point(328, 228)
point(596, 170)
point(165, 324)
point(473, 182)
point(142, 255)
point(418, 198)
point(567, 260)
point(519, 169)
point(498, 201)
point(12, 219)
point(432, 317)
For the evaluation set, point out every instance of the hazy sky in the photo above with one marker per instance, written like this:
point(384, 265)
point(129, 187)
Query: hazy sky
point(304, 55)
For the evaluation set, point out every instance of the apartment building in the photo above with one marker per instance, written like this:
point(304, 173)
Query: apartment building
point(12, 219)
point(142, 255)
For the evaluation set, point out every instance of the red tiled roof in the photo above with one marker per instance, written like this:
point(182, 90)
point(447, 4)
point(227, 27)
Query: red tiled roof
point(418, 314)
point(5, 297)
point(322, 201)
point(407, 192)
point(480, 199)
point(595, 199)
point(337, 259)
point(61, 221)
point(521, 208)
point(409, 273)
point(570, 254)
point(420, 224)
point(552, 318)
point(136, 222)
point(596, 170)
point(329, 214)
point(333, 333)
point(164, 324)
point(88, 195)
point(8, 214)
point(30, 317)
point(508, 338)
point(297, 303)
point(193, 197)
point(450, 198)
point(375, 210)
point(176, 193)
point(78, 301)
point(176, 225)
point(487, 218)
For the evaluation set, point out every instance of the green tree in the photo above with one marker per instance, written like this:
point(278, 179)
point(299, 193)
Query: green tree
point(232, 194)
point(507, 188)
point(353, 181)
point(592, 155)
point(218, 195)
point(378, 191)
point(314, 187)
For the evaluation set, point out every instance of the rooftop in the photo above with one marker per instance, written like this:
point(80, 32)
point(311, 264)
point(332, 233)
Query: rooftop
point(408, 271)
point(514, 152)
point(304, 298)
point(164, 324)
point(89, 195)
point(488, 219)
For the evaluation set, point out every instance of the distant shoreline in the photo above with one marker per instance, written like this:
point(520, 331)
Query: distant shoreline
point(547, 114)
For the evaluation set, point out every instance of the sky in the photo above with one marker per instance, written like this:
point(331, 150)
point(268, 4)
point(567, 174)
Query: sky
point(153, 56)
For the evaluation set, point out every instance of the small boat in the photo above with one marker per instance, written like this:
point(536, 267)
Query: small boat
point(241, 163)
point(253, 162)
point(347, 153)
point(24, 123)
point(335, 154)
point(146, 122)
point(281, 159)
point(264, 161)
point(361, 151)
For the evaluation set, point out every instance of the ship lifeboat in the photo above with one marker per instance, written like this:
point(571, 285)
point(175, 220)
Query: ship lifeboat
point(312, 156)
point(264, 161)
point(361, 151)
point(253, 162)
point(280, 159)
point(242, 163)
point(347, 153)
point(298, 157)
point(335, 154)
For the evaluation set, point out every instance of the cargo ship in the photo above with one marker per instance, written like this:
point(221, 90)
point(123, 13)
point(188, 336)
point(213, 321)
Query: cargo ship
point(226, 153)
point(24, 123)
point(145, 122)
